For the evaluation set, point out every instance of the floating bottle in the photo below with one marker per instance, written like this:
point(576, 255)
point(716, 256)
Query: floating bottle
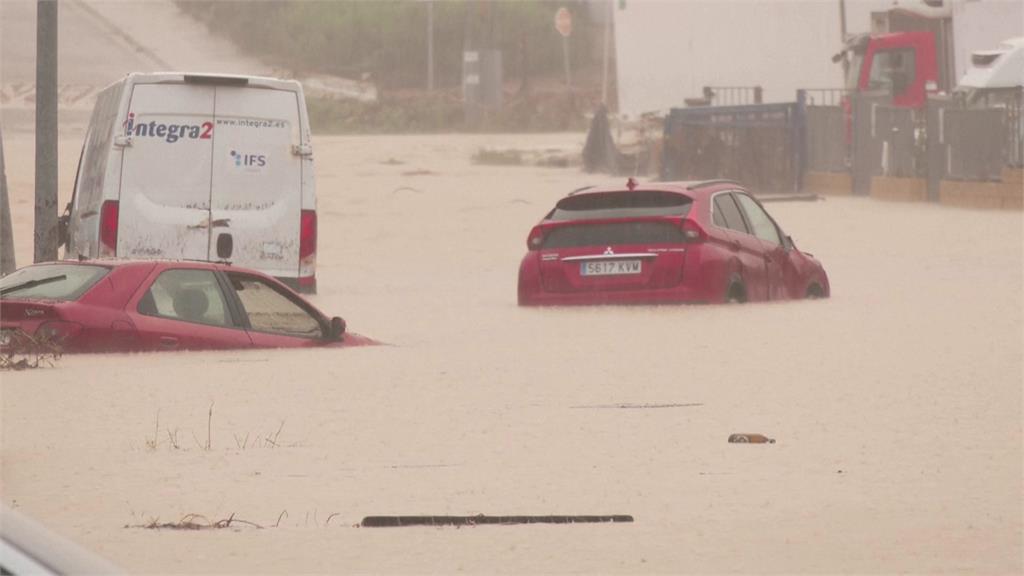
point(750, 439)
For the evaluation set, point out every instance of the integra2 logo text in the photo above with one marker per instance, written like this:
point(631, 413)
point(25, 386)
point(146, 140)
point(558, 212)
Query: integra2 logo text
point(169, 132)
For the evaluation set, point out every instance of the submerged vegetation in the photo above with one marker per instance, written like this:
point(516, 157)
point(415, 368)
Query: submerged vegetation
point(21, 351)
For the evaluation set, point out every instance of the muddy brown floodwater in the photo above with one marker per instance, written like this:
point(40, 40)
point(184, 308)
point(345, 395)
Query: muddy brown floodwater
point(895, 405)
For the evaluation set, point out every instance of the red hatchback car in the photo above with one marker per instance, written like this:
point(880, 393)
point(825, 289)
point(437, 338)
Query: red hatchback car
point(705, 241)
point(108, 306)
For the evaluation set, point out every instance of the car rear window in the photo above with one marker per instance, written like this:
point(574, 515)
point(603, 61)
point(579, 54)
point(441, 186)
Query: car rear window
point(613, 233)
point(621, 205)
point(60, 282)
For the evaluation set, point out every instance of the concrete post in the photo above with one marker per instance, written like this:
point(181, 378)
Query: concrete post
point(7, 262)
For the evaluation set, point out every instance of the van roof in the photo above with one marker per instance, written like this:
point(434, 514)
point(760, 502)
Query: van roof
point(208, 78)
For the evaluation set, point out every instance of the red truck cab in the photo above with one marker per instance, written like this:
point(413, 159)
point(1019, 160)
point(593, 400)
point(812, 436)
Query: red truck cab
point(902, 63)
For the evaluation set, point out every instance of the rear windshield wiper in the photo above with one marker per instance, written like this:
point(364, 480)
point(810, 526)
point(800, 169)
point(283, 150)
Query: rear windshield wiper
point(33, 284)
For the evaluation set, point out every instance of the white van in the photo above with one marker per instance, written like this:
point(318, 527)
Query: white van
point(199, 167)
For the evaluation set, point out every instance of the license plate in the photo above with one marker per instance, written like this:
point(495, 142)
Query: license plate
point(609, 267)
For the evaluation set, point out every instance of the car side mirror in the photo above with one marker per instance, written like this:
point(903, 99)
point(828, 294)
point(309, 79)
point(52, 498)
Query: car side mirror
point(788, 242)
point(337, 330)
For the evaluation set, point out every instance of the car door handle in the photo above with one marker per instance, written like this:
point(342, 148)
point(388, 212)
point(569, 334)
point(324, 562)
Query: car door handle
point(168, 342)
point(735, 245)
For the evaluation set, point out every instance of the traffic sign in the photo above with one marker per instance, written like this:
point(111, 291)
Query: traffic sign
point(563, 21)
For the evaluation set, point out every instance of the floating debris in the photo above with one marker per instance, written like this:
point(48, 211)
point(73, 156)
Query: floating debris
point(750, 439)
point(480, 519)
point(631, 406)
point(195, 522)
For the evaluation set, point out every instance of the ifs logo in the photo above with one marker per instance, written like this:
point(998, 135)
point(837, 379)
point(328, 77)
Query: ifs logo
point(252, 161)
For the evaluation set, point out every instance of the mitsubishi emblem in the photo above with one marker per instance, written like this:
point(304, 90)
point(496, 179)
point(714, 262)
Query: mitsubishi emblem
point(609, 252)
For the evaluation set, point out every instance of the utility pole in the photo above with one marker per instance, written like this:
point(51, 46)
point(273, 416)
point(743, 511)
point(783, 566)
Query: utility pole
point(607, 41)
point(46, 131)
point(842, 37)
point(7, 262)
point(842, 20)
point(430, 45)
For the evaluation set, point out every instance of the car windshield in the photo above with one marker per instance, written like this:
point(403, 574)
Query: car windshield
point(61, 282)
point(621, 205)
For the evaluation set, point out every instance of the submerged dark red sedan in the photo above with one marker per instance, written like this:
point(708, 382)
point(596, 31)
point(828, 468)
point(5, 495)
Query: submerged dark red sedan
point(707, 241)
point(97, 306)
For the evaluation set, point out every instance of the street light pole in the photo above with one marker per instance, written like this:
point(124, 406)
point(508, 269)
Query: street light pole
point(45, 246)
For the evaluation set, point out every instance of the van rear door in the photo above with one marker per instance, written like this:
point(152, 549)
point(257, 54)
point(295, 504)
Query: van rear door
point(165, 173)
point(256, 195)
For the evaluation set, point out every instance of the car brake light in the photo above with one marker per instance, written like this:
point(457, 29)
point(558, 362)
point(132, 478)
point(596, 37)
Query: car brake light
point(693, 232)
point(58, 332)
point(307, 235)
point(108, 228)
point(536, 238)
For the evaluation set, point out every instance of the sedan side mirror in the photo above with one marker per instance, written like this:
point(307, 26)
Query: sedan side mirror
point(788, 242)
point(337, 328)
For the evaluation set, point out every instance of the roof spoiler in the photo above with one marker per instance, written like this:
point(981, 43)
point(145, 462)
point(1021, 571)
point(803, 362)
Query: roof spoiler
point(704, 183)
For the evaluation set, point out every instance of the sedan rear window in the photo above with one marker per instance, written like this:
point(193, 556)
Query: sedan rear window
point(621, 205)
point(613, 233)
point(58, 282)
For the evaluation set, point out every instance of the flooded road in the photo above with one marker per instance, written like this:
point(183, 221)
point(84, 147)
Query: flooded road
point(896, 404)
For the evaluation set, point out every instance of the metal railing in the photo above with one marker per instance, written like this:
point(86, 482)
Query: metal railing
point(827, 128)
point(1015, 135)
point(756, 144)
point(824, 96)
point(733, 95)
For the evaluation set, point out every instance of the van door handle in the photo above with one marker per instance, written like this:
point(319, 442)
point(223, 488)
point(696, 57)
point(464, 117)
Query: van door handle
point(302, 149)
point(168, 342)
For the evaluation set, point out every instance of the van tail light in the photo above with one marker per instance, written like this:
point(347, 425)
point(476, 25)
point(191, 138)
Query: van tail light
point(307, 235)
point(58, 332)
point(535, 239)
point(108, 228)
point(693, 231)
point(307, 247)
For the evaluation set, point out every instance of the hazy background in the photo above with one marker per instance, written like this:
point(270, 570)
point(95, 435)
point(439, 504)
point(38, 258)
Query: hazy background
point(662, 52)
point(896, 404)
